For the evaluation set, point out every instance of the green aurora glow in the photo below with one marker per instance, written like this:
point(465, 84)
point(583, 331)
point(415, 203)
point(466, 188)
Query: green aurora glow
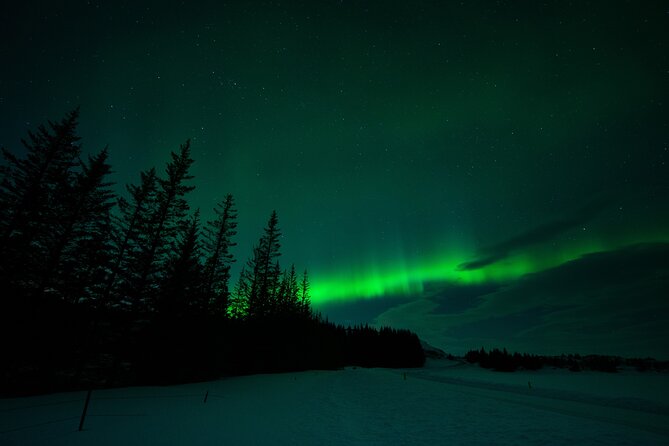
point(401, 278)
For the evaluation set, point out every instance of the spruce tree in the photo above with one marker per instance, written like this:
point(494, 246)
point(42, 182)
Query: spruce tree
point(131, 231)
point(32, 192)
point(264, 271)
point(167, 220)
point(287, 297)
point(238, 306)
point(292, 290)
point(79, 258)
point(180, 290)
point(217, 243)
point(305, 298)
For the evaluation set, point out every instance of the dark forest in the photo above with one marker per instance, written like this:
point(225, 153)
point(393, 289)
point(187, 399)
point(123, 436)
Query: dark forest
point(103, 290)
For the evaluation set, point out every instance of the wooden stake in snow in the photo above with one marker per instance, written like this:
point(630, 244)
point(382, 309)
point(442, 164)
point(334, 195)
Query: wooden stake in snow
point(206, 395)
point(83, 414)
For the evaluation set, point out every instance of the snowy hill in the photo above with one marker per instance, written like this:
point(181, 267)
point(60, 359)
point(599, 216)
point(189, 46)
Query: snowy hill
point(432, 351)
point(447, 402)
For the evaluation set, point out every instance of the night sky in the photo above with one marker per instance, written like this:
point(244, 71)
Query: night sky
point(486, 173)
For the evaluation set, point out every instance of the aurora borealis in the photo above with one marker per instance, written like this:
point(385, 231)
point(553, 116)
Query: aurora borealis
point(433, 161)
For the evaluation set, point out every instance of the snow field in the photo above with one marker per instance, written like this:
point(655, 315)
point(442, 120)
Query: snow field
point(444, 403)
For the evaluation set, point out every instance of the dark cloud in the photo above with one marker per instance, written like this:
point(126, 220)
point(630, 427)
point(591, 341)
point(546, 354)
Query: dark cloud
point(503, 326)
point(611, 302)
point(617, 270)
point(360, 311)
point(540, 234)
point(456, 298)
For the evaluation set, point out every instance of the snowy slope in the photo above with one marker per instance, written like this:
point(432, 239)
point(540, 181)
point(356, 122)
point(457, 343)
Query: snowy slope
point(444, 403)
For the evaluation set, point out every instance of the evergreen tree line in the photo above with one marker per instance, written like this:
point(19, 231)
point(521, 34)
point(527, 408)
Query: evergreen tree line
point(67, 237)
point(105, 289)
point(503, 361)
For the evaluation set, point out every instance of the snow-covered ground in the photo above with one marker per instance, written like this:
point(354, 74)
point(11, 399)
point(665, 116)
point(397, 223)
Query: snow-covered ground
point(444, 403)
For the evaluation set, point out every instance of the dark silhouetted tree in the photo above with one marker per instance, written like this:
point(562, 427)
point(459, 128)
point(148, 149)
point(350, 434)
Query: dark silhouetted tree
point(217, 243)
point(305, 298)
point(80, 256)
point(131, 230)
point(287, 298)
point(32, 195)
point(180, 290)
point(238, 306)
point(167, 220)
point(264, 272)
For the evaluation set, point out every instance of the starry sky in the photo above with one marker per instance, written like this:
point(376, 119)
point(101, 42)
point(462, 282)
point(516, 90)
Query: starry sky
point(486, 173)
